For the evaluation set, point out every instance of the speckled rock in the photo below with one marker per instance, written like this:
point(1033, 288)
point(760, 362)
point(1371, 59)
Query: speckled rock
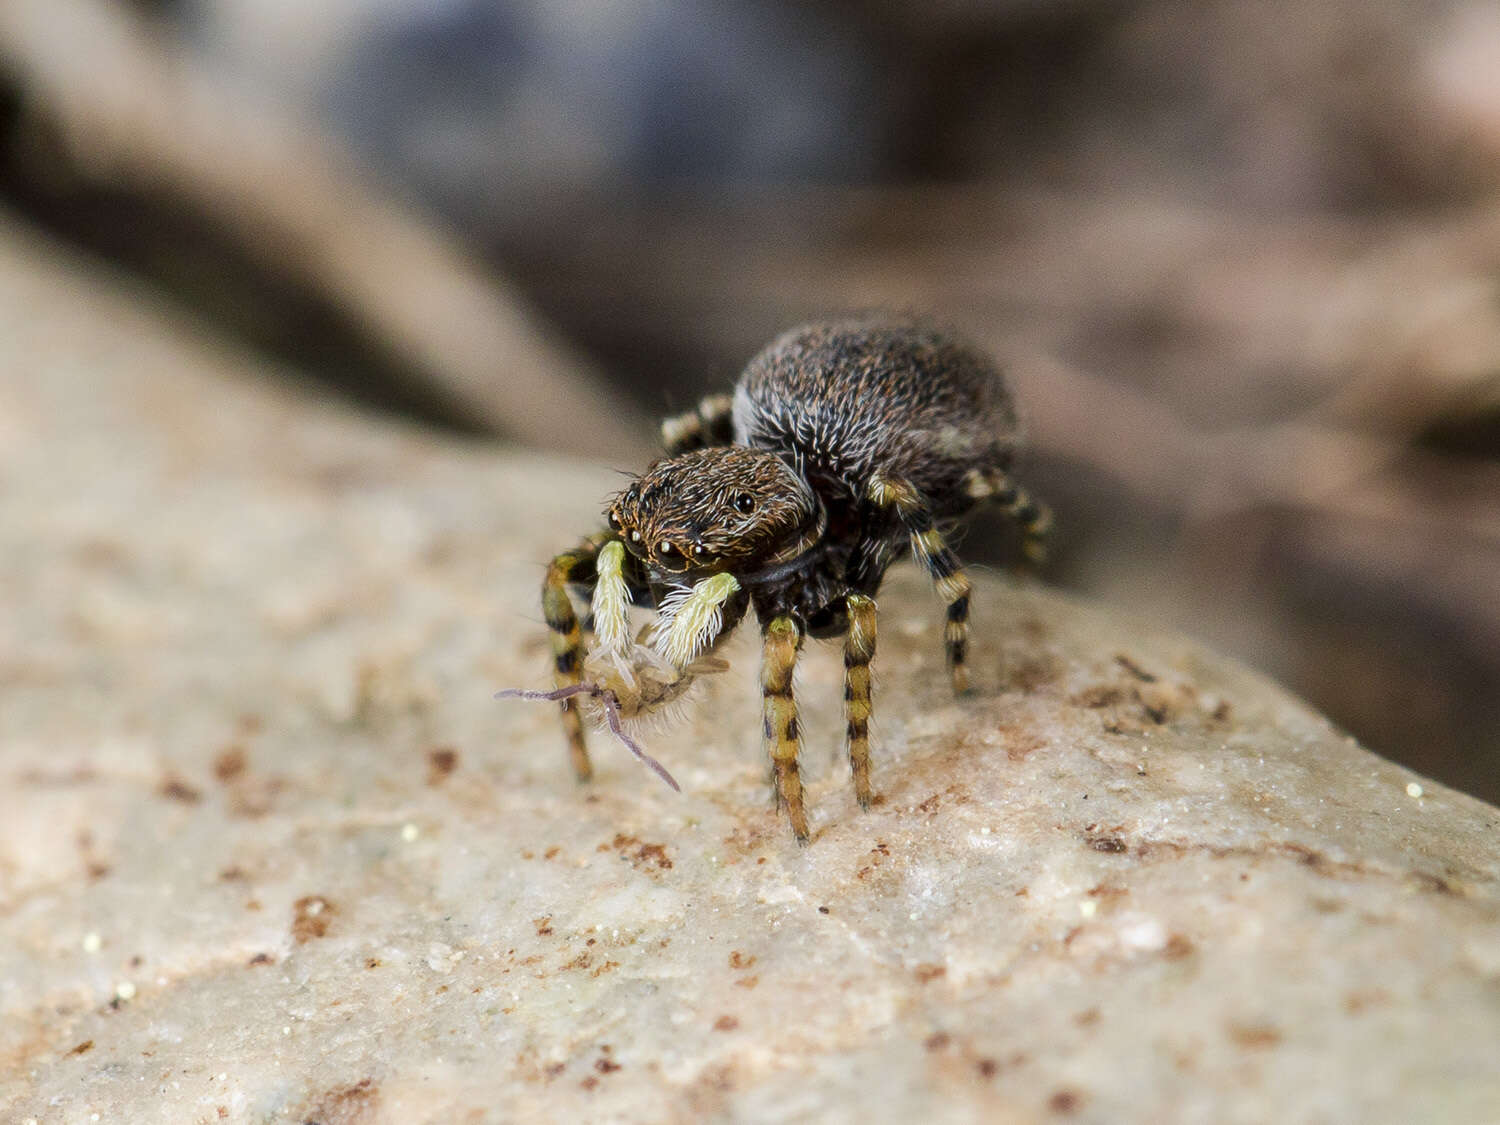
point(269, 851)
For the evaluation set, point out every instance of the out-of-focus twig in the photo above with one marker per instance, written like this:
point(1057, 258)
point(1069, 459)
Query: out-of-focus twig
point(134, 112)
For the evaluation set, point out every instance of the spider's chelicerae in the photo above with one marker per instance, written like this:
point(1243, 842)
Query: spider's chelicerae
point(843, 445)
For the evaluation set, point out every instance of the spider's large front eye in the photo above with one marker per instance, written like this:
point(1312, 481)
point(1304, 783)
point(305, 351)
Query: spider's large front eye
point(614, 521)
point(744, 503)
point(670, 556)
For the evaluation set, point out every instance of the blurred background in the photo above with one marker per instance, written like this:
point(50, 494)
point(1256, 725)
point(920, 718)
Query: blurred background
point(1242, 261)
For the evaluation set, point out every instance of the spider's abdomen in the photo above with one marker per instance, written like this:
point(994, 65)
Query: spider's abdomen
point(851, 399)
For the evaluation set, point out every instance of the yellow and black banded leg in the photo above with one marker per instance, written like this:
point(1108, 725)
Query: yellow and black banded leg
point(577, 565)
point(859, 649)
point(779, 710)
point(711, 424)
point(941, 563)
point(1031, 516)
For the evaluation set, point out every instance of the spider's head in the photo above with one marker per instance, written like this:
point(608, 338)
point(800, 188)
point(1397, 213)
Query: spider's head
point(726, 508)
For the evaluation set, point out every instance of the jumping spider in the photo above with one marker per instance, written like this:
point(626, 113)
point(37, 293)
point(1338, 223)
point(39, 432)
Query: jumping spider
point(842, 443)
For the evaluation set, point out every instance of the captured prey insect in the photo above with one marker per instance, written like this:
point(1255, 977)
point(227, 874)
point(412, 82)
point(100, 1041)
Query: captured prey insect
point(843, 445)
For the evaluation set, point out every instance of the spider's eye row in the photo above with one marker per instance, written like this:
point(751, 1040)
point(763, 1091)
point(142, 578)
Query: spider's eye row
point(744, 503)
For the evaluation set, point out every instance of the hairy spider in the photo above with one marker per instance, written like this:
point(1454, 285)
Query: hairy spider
point(842, 444)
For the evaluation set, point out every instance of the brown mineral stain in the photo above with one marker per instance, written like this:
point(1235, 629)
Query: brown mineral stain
point(82, 1049)
point(987, 1068)
point(1109, 845)
point(262, 959)
point(1361, 999)
point(642, 856)
point(543, 925)
point(726, 1023)
point(1099, 696)
point(311, 917)
point(1134, 669)
point(1020, 745)
point(1177, 948)
point(441, 762)
point(1035, 673)
point(230, 763)
point(175, 789)
point(937, 1041)
point(1065, 1101)
point(1087, 1018)
point(346, 1105)
point(1254, 1036)
point(552, 852)
point(372, 962)
point(926, 974)
point(748, 982)
point(606, 1066)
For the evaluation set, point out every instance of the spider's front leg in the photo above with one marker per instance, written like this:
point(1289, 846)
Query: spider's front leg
point(938, 559)
point(569, 568)
point(711, 424)
point(783, 637)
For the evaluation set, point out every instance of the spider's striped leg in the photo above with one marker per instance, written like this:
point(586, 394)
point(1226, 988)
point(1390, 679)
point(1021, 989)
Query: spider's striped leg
point(575, 566)
point(711, 424)
point(859, 648)
point(778, 707)
point(929, 548)
point(1031, 516)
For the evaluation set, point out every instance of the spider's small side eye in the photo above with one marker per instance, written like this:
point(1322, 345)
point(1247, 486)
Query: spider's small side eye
point(744, 503)
point(614, 521)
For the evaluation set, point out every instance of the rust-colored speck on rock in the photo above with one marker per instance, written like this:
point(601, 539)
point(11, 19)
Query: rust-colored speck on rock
point(346, 1105)
point(311, 917)
point(441, 762)
point(230, 763)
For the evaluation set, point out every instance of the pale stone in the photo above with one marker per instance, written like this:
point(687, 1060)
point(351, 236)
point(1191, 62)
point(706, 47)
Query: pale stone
point(270, 851)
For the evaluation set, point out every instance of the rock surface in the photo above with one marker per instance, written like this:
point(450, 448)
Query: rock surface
point(269, 851)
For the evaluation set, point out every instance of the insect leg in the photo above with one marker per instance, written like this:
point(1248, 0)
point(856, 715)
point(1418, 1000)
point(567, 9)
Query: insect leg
point(711, 424)
point(859, 648)
point(929, 548)
point(779, 710)
point(1031, 516)
point(575, 566)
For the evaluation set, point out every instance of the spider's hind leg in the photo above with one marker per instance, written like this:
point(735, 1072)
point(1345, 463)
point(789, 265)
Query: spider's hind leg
point(938, 559)
point(711, 424)
point(1031, 516)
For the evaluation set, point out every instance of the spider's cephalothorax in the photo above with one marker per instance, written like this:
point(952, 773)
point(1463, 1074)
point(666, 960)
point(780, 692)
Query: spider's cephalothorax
point(843, 444)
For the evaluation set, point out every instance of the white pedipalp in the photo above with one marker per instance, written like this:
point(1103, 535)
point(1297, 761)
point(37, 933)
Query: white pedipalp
point(611, 601)
point(690, 620)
